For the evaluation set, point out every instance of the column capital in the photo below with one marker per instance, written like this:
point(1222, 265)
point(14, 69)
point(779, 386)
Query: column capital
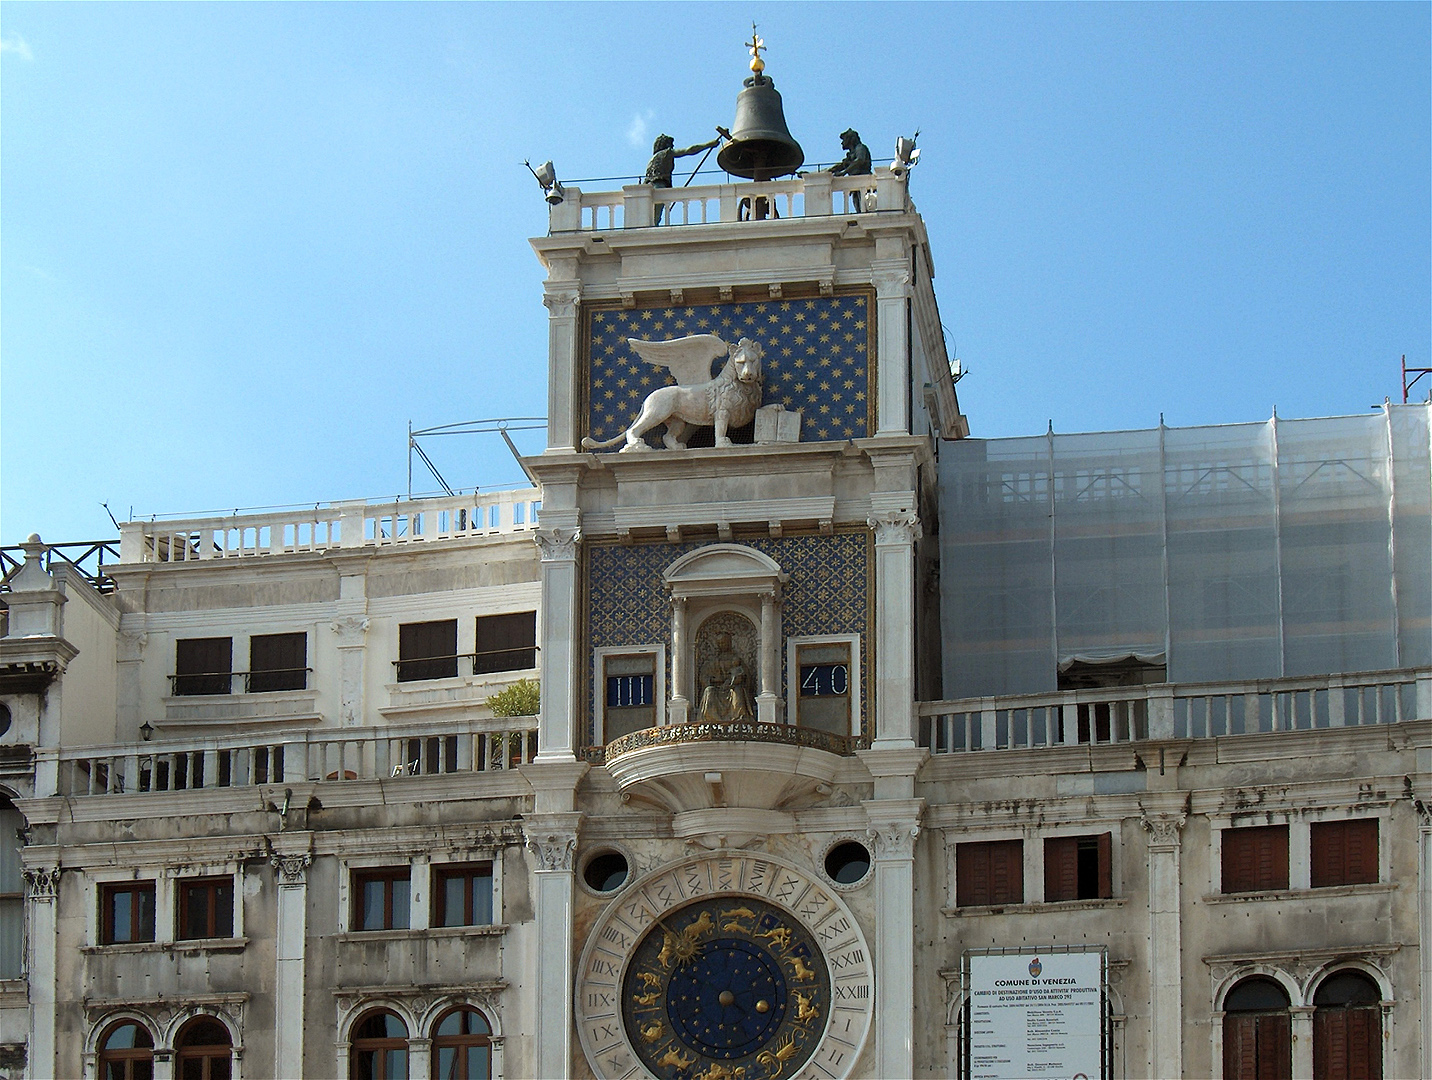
point(894, 826)
point(42, 882)
point(350, 630)
point(562, 300)
point(552, 839)
point(292, 867)
point(891, 278)
point(895, 526)
point(1163, 829)
point(558, 545)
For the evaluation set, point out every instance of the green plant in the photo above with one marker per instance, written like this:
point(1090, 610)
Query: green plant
point(522, 698)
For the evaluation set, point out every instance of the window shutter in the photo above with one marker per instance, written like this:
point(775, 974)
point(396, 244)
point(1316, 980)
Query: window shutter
point(971, 875)
point(1061, 869)
point(427, 650)
point(202, 665)
point(1275, 1046)
point(506, 642)
point(1361, 847)
point(278, 662)
point(1255, 859)
point(1106, 865)
point(1240, 1047)
point(1007, 872)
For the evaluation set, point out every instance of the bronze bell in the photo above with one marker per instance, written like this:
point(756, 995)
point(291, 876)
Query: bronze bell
point(761, 147)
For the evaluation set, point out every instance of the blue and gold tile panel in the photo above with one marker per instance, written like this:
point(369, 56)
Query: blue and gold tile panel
point(829, 591)
point(819, 357)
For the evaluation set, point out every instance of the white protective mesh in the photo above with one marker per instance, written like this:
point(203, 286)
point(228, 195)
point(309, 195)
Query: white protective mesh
point(1239, 552)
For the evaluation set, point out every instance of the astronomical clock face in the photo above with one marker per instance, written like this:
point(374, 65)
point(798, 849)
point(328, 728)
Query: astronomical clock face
point(683, 980)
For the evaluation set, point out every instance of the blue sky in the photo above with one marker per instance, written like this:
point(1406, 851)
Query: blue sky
point(243, 245)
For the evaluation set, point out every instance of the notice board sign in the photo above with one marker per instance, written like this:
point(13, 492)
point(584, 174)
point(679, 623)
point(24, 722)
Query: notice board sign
point(1035, 1016)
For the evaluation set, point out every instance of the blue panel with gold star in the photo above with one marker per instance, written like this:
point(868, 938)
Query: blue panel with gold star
point(819, 358)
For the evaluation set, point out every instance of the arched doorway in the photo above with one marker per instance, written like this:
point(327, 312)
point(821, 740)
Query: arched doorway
point(380, 1047)
point(126, 1052)
point(462, 1046)
point(203, 1050)
point(1347, 1028)
point(1257, 1031)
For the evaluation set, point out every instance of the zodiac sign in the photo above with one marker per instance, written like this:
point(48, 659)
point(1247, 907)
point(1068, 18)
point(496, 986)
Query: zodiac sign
point(717, 1071)
point(649, 998)
point(775, 1059)
point(673, 1058)
point(805, 1008)
point(799, 970)
point(735, 917)
point(683, 946)
point(781, 935)
point(649, 979)
point(652, 1032)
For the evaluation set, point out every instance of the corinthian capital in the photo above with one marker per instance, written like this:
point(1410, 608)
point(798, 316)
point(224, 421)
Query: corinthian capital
point(292, 869)
point(552, 850)
point(891, 280)
point(895, 526)
point(42, 882)
point(562, 300)
point(558, 545)
point(1163, 829)
point(350, 629)
point(894, 839)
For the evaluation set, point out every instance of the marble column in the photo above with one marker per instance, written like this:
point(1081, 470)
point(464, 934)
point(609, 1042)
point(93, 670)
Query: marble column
point(41, 890)
point(896, 531)
point(552, 842)
point(770, 694)
point(290, 862)
point(1165, 944)
point(563, 301)
point(894, 825)
point(679, 710)
point(1302, 1027)
point(891, 278)
point(557, 736)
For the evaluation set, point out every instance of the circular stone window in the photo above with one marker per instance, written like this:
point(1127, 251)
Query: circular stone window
point(4, 719)
point(847, 863)
point(606, 872)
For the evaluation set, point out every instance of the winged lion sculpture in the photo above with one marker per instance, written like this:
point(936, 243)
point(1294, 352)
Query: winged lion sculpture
point(697, 400)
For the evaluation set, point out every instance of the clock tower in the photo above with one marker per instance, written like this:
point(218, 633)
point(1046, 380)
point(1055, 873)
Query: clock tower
point(748, 386)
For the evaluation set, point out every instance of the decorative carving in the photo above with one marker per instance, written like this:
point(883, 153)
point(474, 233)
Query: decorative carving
point(895, 526)
point(697, 400)
point(891, 282)
point(894, 839)
point(558, 545)
point(292, 869)
point(1163, 829)
point(42, 882)
point(350, 629)
point(131, 645)
point(732, 731)
point(553, 850)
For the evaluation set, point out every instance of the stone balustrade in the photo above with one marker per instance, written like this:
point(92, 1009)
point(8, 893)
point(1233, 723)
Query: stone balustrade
point(812, 195)
point(1175, 711)
point(354, 524)
point(333, 755)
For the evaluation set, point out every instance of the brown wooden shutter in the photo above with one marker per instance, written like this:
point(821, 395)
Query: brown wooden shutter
point(1240, 1047)
point(202, 665)
point(1106, 865)
point(506, 642)
point(971, 875)
point(427, 650)
point(1344, 852)
point(1007, 872)
point(991, 872)
point(1061, 869)
point(1275, 1046)
point(278, 662)
point(1255, 859)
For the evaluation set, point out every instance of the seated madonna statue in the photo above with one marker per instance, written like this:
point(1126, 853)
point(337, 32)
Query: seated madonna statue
point(725, 695)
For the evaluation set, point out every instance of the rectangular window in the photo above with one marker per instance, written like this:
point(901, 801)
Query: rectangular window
point(824, 686)
point(380, 899)
point(278, 662)
point(203, 666)
point(462, 895)
point(630, 694)
point(1344, 852)
point(1078, 868)
point(990, 872)
point(206, 908)
point(427, 650)
point(506, 642)
point(126, 911)
point(1255, 859)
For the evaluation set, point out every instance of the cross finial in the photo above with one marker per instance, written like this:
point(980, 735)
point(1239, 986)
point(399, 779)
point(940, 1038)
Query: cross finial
point(756, 44)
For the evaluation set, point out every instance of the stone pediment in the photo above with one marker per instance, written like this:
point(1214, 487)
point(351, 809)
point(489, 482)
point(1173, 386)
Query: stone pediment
point(722, 568)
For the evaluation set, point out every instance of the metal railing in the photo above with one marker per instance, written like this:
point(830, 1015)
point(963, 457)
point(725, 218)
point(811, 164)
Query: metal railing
point(1175, 711)
point(269, 680)
point(337, 525)
point(86, 557)
point(342, 755)
point(491, 662)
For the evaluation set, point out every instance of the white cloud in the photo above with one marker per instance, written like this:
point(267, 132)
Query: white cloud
point(639, 130)
point(17, 45)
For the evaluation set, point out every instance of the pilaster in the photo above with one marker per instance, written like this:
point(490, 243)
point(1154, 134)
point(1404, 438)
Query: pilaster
point(894, 825)
point(552, 843)
point(563, 299)
point(1424, 927)
point(896, 530)
point(42, 883)
point(351, 632)
point(291, 859)
point(891, 278)
point(1163, 822)
point(556, 737)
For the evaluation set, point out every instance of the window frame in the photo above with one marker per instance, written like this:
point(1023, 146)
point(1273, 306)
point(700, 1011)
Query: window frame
point(389, 874)
point(401, 673)
point(459, 1042)
point(657, 652)
point(255, 676)
point(220, 682)
point(482, 666)
point(1248, 834)
point(205, 1053)
point(1073, 843)
point(1319, 873)
point(135, 887)
point(966, 866)
point(378, 1046)
point(794, 645)
point(211, 882)
point(441, 873)
point(125, 1057)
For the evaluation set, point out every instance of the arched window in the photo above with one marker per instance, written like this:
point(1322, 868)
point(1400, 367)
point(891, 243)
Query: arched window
point(462, 1046)
point(380, 1048)
point(203, 1050)
point(1347, 1028)
point(1257, 1031)
point(126, 1052)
